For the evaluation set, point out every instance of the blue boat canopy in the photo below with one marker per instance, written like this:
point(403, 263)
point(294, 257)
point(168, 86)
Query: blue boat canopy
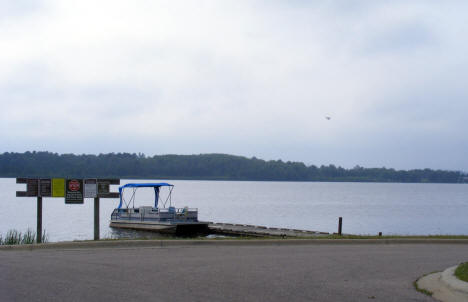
point(156, 187)
point(145, 185)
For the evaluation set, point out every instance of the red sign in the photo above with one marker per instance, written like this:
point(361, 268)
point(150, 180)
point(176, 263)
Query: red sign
point(74, 191)
point(74, 185)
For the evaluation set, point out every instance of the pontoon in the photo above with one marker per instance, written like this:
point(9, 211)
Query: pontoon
point(158, 218)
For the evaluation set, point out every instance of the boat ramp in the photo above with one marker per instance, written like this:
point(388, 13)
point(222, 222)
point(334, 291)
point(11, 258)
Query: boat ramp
point(259, 231)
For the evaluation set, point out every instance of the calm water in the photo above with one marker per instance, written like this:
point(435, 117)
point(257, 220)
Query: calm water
point(366, 208)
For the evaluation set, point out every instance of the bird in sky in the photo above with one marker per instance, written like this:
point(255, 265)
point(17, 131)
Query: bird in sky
point(328, 117)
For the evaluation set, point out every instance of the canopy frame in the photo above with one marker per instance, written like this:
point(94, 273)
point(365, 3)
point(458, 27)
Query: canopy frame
point(135, 186)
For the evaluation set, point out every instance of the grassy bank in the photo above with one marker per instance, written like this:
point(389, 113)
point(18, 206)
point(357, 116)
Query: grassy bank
point(14, 237)
point(462, 272)
point(334, 236)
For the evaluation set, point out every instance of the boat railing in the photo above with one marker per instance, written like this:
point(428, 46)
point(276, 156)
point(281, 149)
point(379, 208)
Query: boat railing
point(176, 212)
point(184, 210)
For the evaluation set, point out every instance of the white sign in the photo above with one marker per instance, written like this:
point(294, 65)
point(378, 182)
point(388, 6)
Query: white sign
point(90, 188)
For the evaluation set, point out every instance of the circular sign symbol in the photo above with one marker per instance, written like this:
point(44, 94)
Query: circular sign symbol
point(74, 185)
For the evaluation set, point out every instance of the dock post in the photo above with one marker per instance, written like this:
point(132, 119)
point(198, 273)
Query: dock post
point(96, 218)
point(340, 225)
point(39, 220)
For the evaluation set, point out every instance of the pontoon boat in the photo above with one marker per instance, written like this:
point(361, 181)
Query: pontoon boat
point(162, 219)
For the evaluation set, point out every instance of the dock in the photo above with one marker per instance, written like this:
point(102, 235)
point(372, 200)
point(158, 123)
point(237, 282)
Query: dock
point(259, 231)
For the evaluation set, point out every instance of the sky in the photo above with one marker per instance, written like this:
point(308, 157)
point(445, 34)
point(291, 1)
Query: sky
point(250, 78)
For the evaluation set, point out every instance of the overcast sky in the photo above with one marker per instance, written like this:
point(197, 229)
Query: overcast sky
point(252, 78)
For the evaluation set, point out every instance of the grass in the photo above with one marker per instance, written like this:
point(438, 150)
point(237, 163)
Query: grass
point(422, 290)
point(180, 238)
point(335, 236)
point(462, 272)
point(14, 237)
point(29, 237)
point(323, 236)
point(331, 236)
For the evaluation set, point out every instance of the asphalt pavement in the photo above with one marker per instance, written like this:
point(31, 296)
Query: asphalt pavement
point(317, 272)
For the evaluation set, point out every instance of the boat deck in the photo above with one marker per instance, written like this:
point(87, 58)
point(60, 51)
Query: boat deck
point(163, 227)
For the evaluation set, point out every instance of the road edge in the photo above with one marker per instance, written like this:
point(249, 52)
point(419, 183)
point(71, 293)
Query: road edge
point(220, 242)
point(444, 286)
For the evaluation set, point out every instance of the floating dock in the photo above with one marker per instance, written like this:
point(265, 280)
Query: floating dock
point(259, 231)
point(229, 229)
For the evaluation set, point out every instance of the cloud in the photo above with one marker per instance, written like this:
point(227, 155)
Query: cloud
point(18, 9)
point(251, 78)
point(401, 38)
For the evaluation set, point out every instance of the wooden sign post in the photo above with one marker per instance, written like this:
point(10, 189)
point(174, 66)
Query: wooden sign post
point(73, 190)
point(32, 190)
point(102, 191)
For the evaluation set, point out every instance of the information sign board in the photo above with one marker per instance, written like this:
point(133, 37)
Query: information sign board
point(90, 188)
point(32, 187)
point(74, 191)
point(45, 187)
point(103, 187)
point(58, 187)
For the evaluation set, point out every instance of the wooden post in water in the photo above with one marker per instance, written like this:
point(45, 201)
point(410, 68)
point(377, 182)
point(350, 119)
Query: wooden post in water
point(340, 225)
point(39, 220)
point(96, 218)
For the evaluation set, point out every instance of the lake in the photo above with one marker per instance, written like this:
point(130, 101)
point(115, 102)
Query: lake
point(366, 208)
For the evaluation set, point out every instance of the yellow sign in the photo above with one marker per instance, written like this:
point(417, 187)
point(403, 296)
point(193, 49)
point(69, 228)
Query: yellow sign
point(58, 187)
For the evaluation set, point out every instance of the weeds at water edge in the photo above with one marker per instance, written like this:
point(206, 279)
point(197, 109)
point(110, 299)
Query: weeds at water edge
point(14, 237)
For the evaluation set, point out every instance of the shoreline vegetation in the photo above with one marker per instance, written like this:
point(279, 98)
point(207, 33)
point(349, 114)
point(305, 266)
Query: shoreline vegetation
point(326, 237)
point(204, 167)
point(15, 237)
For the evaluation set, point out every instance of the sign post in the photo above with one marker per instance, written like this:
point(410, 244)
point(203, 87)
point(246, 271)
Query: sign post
point(44, 190)
point(96, 218)
point(102, 191)
point(91, 192)
point(39, 220)
point(32, 190)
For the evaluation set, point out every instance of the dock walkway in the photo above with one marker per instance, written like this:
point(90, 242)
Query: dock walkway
point(259, 231)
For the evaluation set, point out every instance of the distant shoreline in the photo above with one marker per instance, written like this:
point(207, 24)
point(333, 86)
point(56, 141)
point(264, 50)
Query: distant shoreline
point(244, 180)
point(209, 167)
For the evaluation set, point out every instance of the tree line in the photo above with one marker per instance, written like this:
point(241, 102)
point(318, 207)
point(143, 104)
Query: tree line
point(203, 166)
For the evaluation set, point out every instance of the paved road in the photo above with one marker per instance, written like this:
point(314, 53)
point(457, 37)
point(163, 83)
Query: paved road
point(225, 273)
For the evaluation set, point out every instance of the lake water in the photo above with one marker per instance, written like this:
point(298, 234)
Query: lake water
point(366, 208)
